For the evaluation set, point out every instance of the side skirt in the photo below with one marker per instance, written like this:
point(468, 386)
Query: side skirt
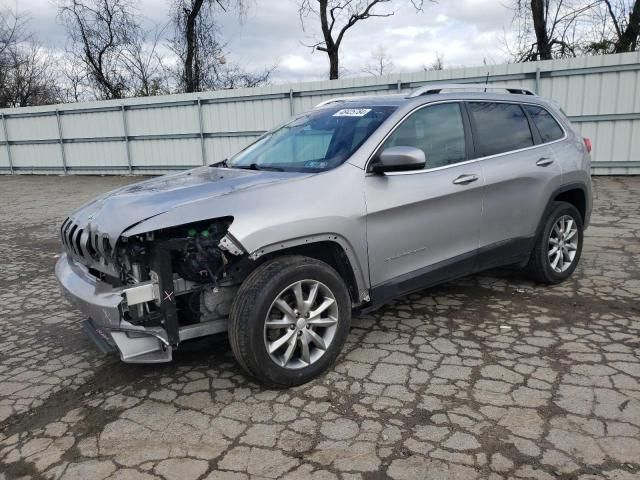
point(423, 278)
point(508, 252)
point(496, 255)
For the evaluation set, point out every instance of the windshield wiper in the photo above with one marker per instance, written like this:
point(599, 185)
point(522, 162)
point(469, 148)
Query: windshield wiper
point(255, 166)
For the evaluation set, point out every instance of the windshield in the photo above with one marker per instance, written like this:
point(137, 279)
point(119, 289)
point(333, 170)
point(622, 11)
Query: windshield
point(316, 141)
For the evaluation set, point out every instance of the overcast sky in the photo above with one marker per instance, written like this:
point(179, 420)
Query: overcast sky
point(463, 32)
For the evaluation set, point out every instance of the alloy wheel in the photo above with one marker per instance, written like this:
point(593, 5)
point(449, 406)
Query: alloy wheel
point(563, 243)
point(301, 324)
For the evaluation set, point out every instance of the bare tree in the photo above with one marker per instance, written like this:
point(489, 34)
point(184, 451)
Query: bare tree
point(31, 79)
point(380, 63)
point(202, 54)
point(234, 76)
point(26, 70)
point(623, 16)
point(12, 29)
point(549, 29)
point(437, 64)
point(11, 35)
point(336, 18)
point(196, 43)
point(145, 65)
point(101, 31)
point(76, 86)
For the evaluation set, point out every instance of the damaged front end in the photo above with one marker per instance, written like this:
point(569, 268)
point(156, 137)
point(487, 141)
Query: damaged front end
point(150, 292)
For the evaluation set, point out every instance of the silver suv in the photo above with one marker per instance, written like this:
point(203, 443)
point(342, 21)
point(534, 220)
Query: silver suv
point(345, 207)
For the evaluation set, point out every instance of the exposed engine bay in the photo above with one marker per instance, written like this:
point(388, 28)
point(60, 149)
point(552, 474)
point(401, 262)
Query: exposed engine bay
point(179, 276)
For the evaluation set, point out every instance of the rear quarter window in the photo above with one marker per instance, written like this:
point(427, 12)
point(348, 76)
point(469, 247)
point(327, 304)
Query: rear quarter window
point(545, 123)
point(500, 127)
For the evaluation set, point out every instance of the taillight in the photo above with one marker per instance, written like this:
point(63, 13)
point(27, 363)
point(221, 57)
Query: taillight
point(587, 143)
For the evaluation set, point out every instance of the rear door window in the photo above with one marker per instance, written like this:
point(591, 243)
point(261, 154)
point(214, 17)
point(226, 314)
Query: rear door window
point(500, 127)
point(545, 123)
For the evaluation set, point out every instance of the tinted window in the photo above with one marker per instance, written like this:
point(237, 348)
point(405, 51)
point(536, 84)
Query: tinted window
point(546, 124)
point(501, 127)
point(437, 130)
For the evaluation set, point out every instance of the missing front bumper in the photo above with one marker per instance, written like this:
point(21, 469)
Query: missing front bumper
point(109, 330)
point(106, 327)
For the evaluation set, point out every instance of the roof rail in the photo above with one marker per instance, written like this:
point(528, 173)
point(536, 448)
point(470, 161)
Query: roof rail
point(435, 89)
point(333, 100)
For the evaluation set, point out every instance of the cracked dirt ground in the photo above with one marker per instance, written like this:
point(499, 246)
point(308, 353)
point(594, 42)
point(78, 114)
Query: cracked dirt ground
point(487, 377)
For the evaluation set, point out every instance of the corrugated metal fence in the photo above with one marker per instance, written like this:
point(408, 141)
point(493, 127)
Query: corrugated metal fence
point(601, 95)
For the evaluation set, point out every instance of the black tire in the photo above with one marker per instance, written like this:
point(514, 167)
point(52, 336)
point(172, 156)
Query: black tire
point(251, 307)
point(539, 267)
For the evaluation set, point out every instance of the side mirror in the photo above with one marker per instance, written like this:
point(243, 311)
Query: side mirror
point(399, 159)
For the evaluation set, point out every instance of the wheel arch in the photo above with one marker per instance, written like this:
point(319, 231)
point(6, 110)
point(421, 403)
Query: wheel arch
point(573, 193)
point(330, 248)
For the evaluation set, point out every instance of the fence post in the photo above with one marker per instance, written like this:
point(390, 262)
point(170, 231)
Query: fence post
point(61, 140)
point(6, 142)
point(291, 107)
point(538, 81)
point(203, 150)
point(399, 85)
point(125, 131)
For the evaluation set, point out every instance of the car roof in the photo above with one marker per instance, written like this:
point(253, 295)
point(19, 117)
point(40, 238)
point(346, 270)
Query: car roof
point(440, 92)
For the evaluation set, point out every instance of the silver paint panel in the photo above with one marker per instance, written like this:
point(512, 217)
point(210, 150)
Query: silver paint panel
point(415, 221)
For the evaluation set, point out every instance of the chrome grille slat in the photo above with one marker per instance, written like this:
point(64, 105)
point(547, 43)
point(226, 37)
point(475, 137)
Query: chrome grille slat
point(65, 233)
point(62, 229)
point(67, 237)
point(88, 246)
point(72, 238)
point(78, 242)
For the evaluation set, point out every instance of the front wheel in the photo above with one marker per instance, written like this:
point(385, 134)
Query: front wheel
point(558, 246)
point(289, 320)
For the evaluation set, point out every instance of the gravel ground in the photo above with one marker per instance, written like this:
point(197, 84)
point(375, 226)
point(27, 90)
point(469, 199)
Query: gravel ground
point(487, 377)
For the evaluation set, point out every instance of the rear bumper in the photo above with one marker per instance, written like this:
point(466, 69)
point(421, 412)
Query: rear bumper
point(103, 304)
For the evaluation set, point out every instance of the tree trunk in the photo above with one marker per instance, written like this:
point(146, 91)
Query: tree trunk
point(334, 63)
point(191, 76)
point(628, 41)
point(540, 27)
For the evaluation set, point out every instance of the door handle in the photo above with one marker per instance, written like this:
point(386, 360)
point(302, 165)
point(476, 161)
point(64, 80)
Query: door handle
point(544, 162)
point(465, 179)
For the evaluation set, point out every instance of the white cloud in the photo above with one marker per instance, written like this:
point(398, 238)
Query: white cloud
point(408, 31)
point(464, 32)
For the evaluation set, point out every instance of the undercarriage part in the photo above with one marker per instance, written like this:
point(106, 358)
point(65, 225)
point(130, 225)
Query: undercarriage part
point(151, 346)
point(228, 244)
point(178, 278)
point(141, 348)
point(141, 293)
point(181, 286)
point(101, 339)
point(215, 303)
point(200, 259)
point(161, 265)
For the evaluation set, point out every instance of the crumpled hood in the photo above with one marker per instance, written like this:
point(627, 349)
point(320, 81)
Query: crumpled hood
point(116, 211)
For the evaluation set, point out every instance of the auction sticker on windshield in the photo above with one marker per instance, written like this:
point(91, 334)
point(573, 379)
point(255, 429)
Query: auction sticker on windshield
point(352, 112)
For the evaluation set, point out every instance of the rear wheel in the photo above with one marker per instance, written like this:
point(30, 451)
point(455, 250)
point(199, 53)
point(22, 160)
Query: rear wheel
point(289, 320)
point(558, 246)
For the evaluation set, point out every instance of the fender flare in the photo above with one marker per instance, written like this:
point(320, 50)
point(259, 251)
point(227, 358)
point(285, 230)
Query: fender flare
point(564, 188)
point(358, 273)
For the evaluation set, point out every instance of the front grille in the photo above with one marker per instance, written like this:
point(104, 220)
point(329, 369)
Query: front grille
point(83, 244)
